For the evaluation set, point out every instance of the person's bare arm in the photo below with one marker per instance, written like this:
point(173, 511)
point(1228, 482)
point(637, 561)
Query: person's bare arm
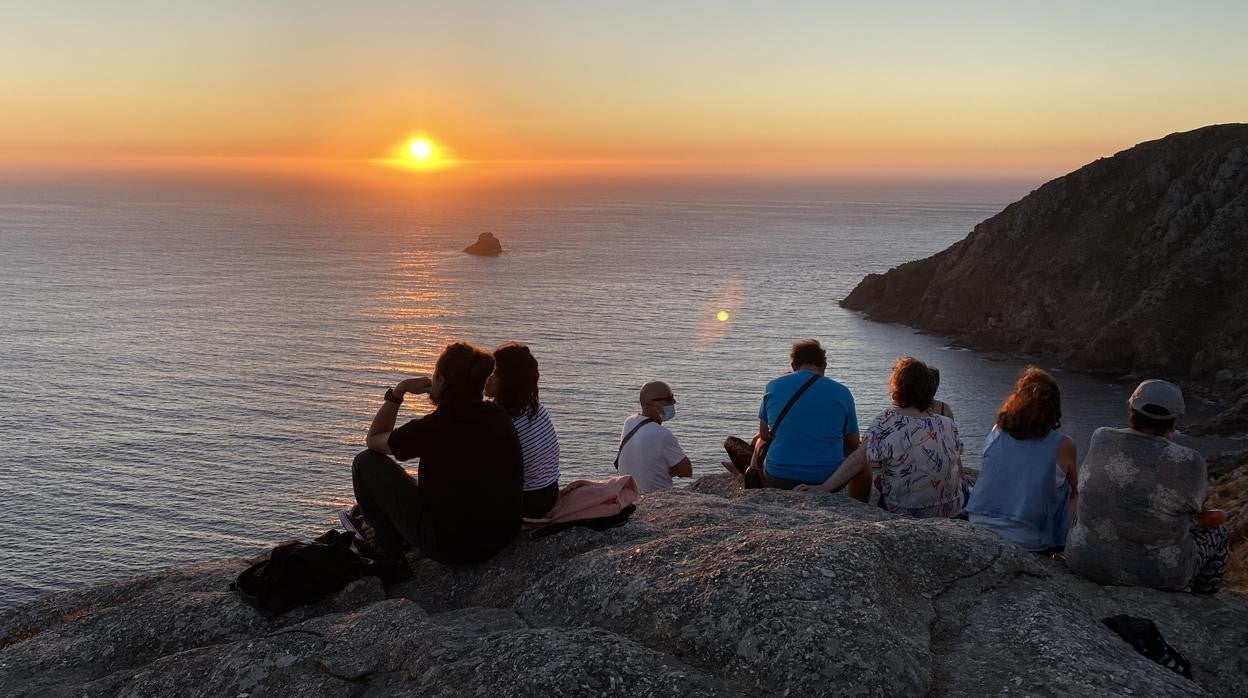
point(764, 432)
point(1068, 461)
point(853, 464)
point(383, 422)
point(852, 442)
point(683, 469)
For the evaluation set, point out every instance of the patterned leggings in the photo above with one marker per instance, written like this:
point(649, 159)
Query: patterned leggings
point(1213, 545)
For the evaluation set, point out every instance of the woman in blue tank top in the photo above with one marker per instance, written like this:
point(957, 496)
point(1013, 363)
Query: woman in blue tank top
point(1028, 484)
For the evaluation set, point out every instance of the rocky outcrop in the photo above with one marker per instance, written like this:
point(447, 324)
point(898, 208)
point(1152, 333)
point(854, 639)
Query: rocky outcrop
point(486, 246)
point(708, 591)
point(1132, 264)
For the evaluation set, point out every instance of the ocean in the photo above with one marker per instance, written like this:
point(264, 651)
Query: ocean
point(188, 364)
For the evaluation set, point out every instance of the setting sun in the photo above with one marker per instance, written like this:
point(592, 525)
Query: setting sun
point(419, 149)
point(418, 152)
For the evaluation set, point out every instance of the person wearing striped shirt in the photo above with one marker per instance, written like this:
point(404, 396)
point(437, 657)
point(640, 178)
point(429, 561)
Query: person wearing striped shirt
point(513, 386)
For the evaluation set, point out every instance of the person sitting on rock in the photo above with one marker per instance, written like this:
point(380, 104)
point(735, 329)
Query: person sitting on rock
point(820, 427)
point(1141, 497)
point(464, 504)
point(1028, 484)
point(513, 386)
point(918, 454)
point(938, 406)
point(648, 450)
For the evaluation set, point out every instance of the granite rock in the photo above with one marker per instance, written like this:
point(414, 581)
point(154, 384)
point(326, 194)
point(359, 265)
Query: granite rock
point(708, 591)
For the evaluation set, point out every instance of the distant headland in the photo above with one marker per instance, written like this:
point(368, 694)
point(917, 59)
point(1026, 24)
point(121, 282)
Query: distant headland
point(1132, 265)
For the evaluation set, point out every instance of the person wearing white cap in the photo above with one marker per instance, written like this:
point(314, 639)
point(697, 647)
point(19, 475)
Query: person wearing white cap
point(1141, 499)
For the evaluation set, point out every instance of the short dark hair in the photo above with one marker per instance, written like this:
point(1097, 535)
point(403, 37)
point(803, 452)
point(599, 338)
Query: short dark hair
point(464, 367)
point(807, 351)
point(935, 375)
point(1034, 408)
point(517, 374)
point(1150, 425)
point(912, 384)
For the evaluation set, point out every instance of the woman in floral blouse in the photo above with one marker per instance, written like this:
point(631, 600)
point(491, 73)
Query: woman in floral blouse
point(918, 454)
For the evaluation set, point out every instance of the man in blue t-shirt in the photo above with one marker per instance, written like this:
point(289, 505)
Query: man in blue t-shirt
point(820, 429)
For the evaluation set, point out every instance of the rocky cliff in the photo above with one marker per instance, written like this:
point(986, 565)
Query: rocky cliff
point(710, 591)
point(1133, 264)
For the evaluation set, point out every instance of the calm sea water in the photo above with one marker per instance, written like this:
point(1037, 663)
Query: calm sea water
point(188, 367)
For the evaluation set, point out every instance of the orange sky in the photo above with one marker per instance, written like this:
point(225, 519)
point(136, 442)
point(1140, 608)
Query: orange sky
point(896, 87)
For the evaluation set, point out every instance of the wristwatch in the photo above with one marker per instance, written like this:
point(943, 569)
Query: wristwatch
point(391, 397)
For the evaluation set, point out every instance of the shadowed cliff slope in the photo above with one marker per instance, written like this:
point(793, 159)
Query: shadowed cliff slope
point(1133, 264)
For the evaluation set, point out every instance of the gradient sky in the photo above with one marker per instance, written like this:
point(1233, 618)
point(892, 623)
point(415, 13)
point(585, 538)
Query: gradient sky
point(826, 86)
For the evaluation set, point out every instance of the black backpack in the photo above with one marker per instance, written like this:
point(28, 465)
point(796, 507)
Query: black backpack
point(298, 573)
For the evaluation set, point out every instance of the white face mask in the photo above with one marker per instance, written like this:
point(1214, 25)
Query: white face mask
point(669, 413)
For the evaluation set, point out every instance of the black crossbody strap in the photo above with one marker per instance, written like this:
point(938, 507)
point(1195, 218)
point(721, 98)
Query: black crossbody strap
point(789, 404)
point(628, 436)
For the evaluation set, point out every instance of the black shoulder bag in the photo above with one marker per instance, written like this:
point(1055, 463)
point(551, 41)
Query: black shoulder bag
point(754, 478)
point(628, 436)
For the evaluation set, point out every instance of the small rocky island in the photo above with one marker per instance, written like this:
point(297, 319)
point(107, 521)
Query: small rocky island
point(486, 246)
point(710, 591)
point(1131, 265)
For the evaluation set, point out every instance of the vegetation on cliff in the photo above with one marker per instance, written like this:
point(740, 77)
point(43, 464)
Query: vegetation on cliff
point(1131, 265)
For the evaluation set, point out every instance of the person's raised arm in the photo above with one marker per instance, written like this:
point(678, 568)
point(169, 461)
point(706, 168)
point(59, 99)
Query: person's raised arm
point(383, 422)
point(852, 466)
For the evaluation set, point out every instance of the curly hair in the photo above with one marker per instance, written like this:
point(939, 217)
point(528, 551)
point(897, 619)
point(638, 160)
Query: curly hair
point(517, 374)
point(464, 367)
point(1034, 408)
point(912, 383)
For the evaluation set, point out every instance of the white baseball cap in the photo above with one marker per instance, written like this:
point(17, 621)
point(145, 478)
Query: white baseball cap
point(1158, 399)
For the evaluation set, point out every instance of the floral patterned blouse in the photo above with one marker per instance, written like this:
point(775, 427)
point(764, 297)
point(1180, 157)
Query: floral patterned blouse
point(920, 464)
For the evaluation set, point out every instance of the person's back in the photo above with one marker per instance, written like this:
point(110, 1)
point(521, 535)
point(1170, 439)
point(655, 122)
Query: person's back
point(514, 387)
point(810, 444)
point(649, 451)
point(1028, 482)
point(650, 454)
point(919, 457)
point(1022, 494)
point(1139, 494)
point(470, 476)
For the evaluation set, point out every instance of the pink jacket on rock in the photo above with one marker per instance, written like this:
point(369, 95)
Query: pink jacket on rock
point(590, 499)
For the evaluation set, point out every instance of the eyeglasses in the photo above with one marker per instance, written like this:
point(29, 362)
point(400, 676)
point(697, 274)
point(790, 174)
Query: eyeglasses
point(665, 398)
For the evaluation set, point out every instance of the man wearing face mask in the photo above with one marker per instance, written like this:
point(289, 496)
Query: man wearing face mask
point(648, 450)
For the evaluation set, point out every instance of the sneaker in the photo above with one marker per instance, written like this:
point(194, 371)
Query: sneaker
point(352, 523)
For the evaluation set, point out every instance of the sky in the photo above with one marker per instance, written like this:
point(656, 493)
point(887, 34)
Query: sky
point(824, 87)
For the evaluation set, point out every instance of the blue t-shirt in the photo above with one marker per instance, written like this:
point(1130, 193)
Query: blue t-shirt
point(810, 444)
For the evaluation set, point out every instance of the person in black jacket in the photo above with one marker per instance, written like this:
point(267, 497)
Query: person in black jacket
point(464, 504)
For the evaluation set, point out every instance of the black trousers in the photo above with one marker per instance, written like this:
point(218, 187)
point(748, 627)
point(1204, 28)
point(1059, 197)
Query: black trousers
point(389, 499)
point(537, 503)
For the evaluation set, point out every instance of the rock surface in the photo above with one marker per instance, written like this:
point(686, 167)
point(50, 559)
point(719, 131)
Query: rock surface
point(711, 591)
point(1132, 264)
point(486, 246)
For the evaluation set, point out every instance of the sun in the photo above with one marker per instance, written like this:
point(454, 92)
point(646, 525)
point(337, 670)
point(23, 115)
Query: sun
point(419, 149)
point(419, 152)
point(722, 316)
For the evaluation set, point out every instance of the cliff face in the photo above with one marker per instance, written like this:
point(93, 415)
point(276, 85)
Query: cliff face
point(1133, 264)
point(713, 591)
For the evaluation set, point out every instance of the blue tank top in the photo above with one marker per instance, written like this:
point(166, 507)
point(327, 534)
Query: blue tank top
point(1018, 482)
